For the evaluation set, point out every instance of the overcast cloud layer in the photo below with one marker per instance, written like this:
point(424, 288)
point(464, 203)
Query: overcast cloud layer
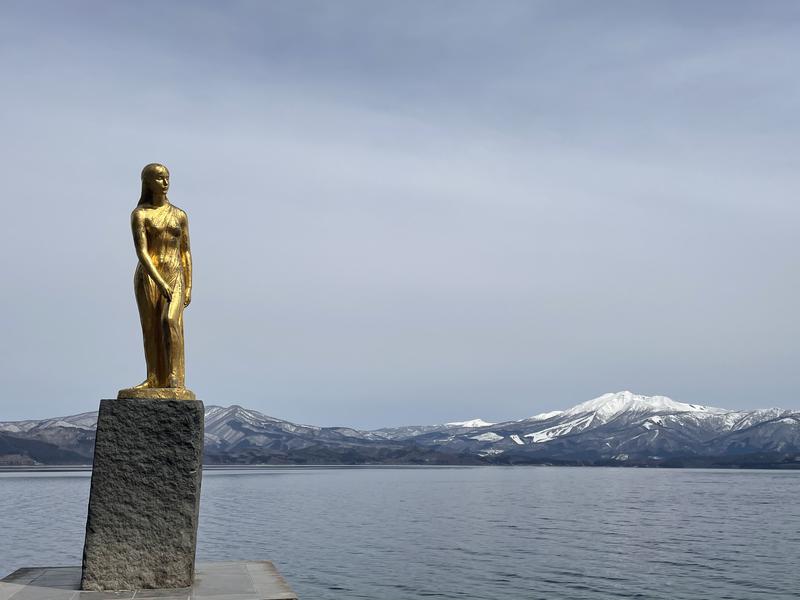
point(408, 212)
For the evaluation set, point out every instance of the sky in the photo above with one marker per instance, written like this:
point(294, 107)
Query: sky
point(407, 212)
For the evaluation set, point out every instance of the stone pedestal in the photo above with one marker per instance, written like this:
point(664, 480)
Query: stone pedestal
point(141, 529)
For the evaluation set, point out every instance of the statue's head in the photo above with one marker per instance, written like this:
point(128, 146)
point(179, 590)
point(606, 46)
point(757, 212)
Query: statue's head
point(155, 180)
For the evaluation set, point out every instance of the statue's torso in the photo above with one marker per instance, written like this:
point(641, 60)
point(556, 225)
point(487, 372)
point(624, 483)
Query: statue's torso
point(164, 231)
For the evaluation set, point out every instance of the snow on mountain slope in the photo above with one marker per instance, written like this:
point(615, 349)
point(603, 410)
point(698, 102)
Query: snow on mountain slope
point(564, 428)
point(86, 421)
point(487, 437)
point(229, 425)
point(472, 423)
point(608, 406)
point(545, 415)
point(412, 431)
point(626, 409)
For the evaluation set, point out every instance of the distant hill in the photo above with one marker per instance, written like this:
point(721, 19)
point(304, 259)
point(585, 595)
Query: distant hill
point(621, 429)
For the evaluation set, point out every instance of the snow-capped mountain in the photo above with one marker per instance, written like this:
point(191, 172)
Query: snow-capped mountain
point(232, 434)
point(236, 428)
point(618, 428)
point(627, 427)
point(87, 421)
point(609, 406)
point(67, 440)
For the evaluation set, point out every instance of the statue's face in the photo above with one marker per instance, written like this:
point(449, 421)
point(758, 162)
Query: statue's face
point(158, 180)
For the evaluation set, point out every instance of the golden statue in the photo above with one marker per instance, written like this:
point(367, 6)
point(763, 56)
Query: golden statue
point(163, 286)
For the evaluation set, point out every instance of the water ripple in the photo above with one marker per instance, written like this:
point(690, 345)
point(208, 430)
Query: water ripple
point(467, 533)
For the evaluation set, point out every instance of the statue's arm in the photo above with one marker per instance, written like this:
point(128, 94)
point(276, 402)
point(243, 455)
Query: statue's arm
point(140, 243)
point(186, 259)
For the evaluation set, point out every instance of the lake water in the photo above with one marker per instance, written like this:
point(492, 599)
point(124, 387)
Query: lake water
point(466, 533)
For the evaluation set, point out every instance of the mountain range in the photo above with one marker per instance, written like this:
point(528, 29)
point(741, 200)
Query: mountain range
point(621, 429)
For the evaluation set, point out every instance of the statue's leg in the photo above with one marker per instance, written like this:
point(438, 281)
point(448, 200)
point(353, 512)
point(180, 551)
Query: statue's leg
point(147, 303)
point(172, 327)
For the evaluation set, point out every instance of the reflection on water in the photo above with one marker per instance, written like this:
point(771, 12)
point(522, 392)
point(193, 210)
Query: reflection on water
point(467, 533)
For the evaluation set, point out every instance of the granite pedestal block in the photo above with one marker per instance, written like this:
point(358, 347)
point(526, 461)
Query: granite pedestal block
point(241, 580)
point(141, 530)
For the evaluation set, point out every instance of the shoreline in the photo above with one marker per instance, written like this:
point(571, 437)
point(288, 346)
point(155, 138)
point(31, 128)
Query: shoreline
point(266, 467)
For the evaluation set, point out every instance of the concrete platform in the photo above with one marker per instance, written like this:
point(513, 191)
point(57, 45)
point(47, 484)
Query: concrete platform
point(241, 580)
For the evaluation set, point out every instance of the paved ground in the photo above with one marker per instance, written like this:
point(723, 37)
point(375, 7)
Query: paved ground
point(242, 580)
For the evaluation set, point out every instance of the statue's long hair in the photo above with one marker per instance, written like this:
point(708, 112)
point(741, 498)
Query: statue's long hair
point(147, 194)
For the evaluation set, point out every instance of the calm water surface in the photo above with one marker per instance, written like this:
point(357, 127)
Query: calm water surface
point(466, 533)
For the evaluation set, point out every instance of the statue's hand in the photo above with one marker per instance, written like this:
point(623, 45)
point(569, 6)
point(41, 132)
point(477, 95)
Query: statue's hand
point(187, 297)
point(166, 292)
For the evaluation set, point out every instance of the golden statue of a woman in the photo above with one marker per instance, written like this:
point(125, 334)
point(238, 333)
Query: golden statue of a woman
point(163, 286)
